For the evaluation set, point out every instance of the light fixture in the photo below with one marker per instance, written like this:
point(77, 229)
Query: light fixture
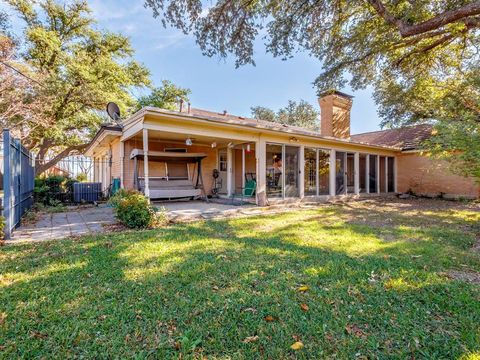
point(248, 148)
point(188, 142)
point(293, 139)
point(231, 145)
point(214, 145)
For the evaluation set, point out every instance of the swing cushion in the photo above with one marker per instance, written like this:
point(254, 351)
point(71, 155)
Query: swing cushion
point(170, 189)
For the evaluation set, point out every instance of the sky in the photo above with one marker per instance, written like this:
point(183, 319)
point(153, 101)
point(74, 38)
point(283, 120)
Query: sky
point(215, 83)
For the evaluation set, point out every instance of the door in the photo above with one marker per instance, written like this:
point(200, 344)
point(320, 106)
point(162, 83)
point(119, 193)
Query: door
point(222, 169)
point(291, 171)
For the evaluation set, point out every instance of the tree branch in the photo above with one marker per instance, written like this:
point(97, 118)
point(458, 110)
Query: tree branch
point(434, 23)
point(42, 167)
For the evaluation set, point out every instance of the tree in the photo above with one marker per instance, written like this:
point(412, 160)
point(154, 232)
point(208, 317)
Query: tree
point(79, 69)
point(396, 44)
point(300, 114)
point(166, 96)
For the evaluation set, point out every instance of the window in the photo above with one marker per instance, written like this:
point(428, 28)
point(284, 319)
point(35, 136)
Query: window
point(222, 159)
point(310, 172)
point(372, 174)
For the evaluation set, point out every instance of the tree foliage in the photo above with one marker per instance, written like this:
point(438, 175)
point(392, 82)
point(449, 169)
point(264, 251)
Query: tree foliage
point(167, 96)
point(300, 114)
point(408, 50)
point(76, 70)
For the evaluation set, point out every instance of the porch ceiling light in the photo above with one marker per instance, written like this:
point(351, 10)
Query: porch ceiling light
point(214, 145)
point(248, 148)
point(293, 139)
point(188, 142)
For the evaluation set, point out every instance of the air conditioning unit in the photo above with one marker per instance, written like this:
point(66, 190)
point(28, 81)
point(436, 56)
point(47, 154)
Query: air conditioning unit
point(87, 192)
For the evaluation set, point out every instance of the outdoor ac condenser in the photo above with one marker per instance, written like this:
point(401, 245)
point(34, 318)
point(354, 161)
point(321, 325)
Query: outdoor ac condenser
point(87, 192)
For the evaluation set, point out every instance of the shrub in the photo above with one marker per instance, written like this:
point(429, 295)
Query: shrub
point(120, 195)
point(2, 227)
point(134, 211)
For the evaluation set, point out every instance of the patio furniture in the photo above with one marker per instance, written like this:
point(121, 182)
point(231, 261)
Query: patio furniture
point(166, 187)
point(246, 192)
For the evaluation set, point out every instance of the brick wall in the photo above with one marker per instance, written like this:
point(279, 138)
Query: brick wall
point(425, 176)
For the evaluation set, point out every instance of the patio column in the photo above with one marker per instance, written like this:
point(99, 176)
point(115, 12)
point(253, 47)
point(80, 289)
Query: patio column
point(332, 173)
point(145, 163)
point(229, 171)
point(243, 166)
point(356, 172)
point(301, 169)
point(122, 160)
point(261, 160)
point(377, 172)
point(367, 173)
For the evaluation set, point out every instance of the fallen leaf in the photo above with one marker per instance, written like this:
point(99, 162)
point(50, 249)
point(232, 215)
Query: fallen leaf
point(269, 318)
point(297, 345)
point(356, 331)
point(250, 339)
point(303, 288)
point(304, 307)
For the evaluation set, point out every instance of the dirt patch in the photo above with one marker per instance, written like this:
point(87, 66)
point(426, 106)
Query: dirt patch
point(469, 276)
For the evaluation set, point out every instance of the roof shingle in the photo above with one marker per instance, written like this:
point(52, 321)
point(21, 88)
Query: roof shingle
point(406, 138)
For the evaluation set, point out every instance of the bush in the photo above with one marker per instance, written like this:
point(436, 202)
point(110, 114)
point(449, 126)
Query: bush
point(134, 211)
point(120, 195)
point(2, 227)
point(53, 190)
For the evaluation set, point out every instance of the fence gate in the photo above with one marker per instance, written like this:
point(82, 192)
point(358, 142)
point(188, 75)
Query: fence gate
point(18, 181)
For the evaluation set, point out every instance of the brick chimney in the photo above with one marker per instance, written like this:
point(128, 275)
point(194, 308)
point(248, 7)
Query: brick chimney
point(335, 114)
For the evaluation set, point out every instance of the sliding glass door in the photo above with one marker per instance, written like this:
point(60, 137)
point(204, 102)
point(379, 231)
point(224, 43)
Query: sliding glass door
point(310, 172)
point(317, 172)
point(291, 171)
point(282, 171)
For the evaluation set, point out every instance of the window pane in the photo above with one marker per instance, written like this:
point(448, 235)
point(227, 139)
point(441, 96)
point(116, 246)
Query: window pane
point(274, 170)
point(391, 174)
point(323, 172)
point(310, 172)
point(382, 174)
point(373, 173)
point(340, 173)
point(350, 173)
point(363, 173)
point(291, 171)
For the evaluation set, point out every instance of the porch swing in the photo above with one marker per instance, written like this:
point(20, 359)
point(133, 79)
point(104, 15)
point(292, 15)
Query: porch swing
point(171, 187)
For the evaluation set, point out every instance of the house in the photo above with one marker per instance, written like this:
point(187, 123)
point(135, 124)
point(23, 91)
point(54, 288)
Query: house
point(169, 154)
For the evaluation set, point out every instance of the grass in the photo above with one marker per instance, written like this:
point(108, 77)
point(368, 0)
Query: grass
point(376, 278)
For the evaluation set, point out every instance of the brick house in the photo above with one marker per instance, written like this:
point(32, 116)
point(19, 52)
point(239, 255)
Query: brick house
point(170, 154)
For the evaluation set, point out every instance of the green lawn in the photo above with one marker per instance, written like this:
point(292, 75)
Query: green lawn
point(376, 275)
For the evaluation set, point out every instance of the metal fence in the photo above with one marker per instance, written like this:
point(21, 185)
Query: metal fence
point(18, 181)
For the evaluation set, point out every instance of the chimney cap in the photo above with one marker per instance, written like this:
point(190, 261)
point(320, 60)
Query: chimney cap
point(336, 92)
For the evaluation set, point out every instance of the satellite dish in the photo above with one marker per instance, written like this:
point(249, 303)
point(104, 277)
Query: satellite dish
point(113, 111)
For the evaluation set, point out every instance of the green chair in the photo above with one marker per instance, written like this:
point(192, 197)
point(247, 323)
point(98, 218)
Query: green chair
point(246, 192)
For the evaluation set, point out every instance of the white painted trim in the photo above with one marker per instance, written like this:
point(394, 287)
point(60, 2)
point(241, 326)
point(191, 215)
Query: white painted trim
point(122, 163)
point(356, 175)
point(229, 171)
point(301, 172)
point(367, 173)
point(332, 173)
point(145, 163)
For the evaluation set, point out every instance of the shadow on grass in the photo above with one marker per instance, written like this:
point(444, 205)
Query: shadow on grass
point(201, 289)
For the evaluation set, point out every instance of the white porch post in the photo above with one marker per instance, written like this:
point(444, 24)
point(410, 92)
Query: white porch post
point(261, 160)
point(301, 169)
point(145, 163)
point(332, 174)
point(243, 166)
point(367, 173)
point(377, 172)
point(229, 171)
point(356, 173)
point(122, 161)
point(386, 174)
